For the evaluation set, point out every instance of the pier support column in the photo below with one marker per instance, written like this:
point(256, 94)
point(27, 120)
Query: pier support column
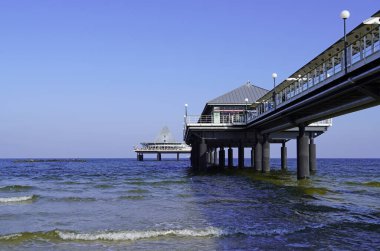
point(177, 156)
point(222, 160)
point(194, 155)
point(230, 157)
point(312, 155)
point(203, 155)
point(216, 156)
point(284, 157)
point(241, 156)
point(258, 156)
point(303, 171)
point(252, 157)
point(211, 157)
point(159, 156)
point(140, 156)
point(266, 155)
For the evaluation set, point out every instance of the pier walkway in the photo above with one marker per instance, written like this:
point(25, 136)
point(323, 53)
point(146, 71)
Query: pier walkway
point(344, 78)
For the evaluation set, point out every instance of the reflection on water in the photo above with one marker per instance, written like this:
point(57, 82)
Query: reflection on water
point(125, 204)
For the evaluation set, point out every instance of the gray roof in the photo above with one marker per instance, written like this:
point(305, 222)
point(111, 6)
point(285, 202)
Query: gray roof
point(238, 95)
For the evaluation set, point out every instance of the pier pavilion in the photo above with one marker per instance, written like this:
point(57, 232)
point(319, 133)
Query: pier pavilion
point(222, 125)
point(344, 78)
point(164, 144)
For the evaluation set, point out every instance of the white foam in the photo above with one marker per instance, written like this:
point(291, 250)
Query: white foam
point(136, 235)
point(9, 236)
point(16, 199)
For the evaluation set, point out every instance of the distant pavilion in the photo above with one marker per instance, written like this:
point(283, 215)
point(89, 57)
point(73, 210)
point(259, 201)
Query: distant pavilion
point(165, 143)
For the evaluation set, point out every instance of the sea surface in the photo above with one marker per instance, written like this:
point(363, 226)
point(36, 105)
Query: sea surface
point(122, 204)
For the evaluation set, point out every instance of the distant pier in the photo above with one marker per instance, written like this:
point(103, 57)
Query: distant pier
point(165, 144)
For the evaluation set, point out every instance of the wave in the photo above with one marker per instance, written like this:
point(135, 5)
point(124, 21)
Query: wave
point(103, 186)
point(368, 184)
point(110, 236)
point(157, 183)
point(208, 232)
point(73, 199)
point(16, 188)
point(138, 191)
point(131, 197)
point(136, 235)
point(18, 199)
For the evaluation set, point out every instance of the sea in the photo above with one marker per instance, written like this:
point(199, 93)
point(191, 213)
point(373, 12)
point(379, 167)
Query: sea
point(123, 204)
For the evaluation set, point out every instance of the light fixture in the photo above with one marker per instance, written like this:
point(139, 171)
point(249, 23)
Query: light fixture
point(345, 14)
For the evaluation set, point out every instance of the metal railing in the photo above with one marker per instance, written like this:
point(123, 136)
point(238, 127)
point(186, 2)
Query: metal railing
point(223, 120)
point(232, 119)
point(358, 51)
point(326, 122)
point(163, 147)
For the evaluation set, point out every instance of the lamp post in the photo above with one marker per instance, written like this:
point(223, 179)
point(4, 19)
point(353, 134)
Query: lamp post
point(246, 108)
point(185, 116)
point(274, 76)
point(345, 14)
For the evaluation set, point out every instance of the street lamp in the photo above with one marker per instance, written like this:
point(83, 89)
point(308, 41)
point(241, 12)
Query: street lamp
point(274, 76)
point(186, 110)
point(246, 108)
point(344, 15)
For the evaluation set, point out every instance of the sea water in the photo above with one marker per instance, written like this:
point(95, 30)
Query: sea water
point(122, 204)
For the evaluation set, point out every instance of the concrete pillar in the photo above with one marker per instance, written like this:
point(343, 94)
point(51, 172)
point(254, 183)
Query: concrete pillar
point(177, 156)
point(208, 157)
point(230, 157)
point(241, 156)
point(194, 155)
point(252, 157)
point(159, 156)
point(266, 155)
point(211, 156)
point(258, 156)
point(215, 156)
point(303, 171)
point(312, 155)
point(138, 156)
point(222, 160)
point(284, 157)
point(202, 155)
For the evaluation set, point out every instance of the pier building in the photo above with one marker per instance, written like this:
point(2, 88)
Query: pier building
point(342, 79)
point(164, 144)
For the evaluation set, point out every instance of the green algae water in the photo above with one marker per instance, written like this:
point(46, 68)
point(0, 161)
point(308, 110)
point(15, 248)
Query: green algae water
point(122, 204)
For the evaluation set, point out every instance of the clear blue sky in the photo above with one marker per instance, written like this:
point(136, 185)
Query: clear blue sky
point(94, 78)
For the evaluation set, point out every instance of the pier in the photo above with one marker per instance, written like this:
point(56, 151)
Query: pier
point(344, 78)
point(164, 144)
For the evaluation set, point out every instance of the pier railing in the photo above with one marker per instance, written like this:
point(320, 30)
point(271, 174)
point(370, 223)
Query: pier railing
point(162, 147)
point(219, 120)
point(326, 122)
point(315, 75)
point(232, 120)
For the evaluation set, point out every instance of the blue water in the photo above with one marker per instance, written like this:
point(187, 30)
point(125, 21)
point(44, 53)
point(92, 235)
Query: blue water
point(123, 204)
